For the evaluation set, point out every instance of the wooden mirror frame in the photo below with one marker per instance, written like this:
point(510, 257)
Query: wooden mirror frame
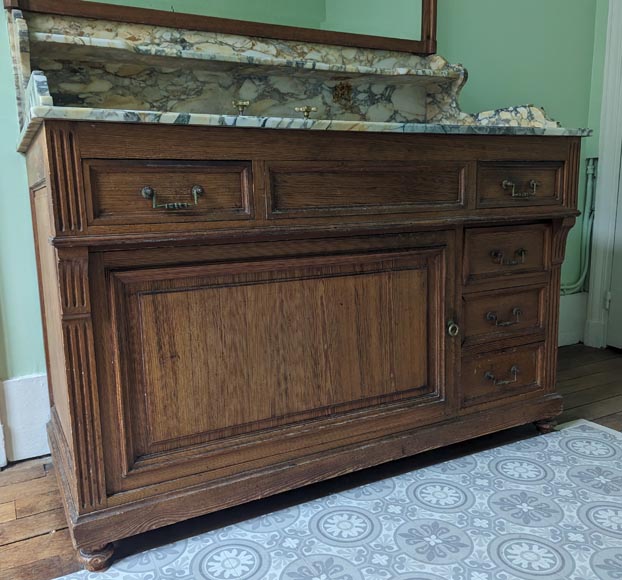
point(79, 8)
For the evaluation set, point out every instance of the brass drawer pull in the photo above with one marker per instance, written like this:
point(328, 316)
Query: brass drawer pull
point(492, 318)
point(489, 376)
point(149, 193)
point(507, 184)
point(498, 257)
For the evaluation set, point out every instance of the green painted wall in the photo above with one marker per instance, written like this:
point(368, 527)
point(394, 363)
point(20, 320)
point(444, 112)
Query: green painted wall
point(598, 69)
point(546, 53)
point(21, 344)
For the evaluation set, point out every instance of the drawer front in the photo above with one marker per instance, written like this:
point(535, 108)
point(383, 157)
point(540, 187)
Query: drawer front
point(311, 189)
point(502, 374)
point(503, 314)
point(508, 251)
point(519, 184)
point(154, 192)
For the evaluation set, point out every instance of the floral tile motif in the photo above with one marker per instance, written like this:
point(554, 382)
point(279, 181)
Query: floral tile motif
point(548, 507)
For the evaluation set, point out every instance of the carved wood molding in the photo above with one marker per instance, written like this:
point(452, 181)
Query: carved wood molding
point(561, 228)
point(73, 281)
point(572, 172)
point(66, 181)
point(78, 342)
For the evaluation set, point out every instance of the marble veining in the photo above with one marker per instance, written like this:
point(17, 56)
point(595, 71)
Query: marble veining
point(85, 69)
point(196, 90)
point(19, 42)
point(163, 41)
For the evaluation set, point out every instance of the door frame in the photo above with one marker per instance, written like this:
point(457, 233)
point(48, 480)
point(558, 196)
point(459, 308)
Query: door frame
point(609, 188)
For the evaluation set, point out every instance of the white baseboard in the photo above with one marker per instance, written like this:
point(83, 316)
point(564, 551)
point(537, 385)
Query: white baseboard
point(3, 460)
point(595, 334)
point(572, 315)
point(25, 411)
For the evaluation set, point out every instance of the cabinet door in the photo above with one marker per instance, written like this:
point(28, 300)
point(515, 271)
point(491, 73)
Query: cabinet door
point(220, 368)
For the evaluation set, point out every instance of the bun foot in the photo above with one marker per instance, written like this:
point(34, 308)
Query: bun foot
point(96, 559)
point(546, 426)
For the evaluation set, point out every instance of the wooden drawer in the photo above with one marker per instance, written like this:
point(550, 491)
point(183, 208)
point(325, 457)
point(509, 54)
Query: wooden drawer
point(503, 314)
point(324, 188)
point(502, 374)
point(116, 194)
point(507, 251)
point(517, 184)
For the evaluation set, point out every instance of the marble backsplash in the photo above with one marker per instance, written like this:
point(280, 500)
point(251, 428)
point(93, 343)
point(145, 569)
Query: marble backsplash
point(100, 70)
point(201, 90)
point(104, 65)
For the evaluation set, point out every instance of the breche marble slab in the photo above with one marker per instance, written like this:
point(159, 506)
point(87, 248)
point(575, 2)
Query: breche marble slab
point(85, 69)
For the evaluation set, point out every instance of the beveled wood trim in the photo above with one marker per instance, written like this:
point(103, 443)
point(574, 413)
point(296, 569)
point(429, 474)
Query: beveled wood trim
point(79, 8)
point(101, 139)
point(66, 186)
point(78, 345)
point(277, 201)
point(560, 231)
point(571, 182)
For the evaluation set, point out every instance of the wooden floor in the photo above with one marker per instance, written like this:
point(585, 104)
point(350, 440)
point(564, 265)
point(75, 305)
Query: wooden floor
point(35, 544)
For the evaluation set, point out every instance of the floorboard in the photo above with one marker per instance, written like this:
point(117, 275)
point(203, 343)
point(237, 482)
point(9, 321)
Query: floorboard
point(35, 542)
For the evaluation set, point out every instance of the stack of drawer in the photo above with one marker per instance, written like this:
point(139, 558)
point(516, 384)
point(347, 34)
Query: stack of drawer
point(506, 287)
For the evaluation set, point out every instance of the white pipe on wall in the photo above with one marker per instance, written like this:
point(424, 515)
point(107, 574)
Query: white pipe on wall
point(586, 230)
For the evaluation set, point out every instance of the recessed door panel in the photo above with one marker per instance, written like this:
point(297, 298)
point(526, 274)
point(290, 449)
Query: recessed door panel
point(230, 365)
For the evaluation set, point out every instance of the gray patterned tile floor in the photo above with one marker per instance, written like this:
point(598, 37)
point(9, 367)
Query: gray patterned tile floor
point(547, 507)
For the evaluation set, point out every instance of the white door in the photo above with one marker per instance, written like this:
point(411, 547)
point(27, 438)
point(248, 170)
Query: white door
point(604, 319)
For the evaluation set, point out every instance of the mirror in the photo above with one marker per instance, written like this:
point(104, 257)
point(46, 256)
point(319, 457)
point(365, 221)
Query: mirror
point(404, 25)
point(370, 17)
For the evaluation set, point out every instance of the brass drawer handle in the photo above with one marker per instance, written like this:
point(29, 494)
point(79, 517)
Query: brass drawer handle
point(498, 257)
point(489, 376)
point(492, 318)
point(149, 193)
point(507, 184)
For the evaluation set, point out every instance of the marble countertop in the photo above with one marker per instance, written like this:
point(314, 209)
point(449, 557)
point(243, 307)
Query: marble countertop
point(41, 113)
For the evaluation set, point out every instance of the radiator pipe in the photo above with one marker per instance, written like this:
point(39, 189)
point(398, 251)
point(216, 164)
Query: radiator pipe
point(586, 230)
